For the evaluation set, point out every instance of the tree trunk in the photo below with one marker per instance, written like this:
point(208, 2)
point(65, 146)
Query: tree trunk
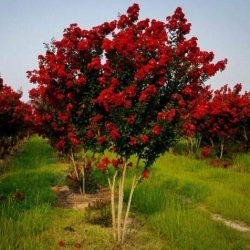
point(112, 191)
point(221, 148)
point(199, 138)
point(72, 157)
point(120, 203)
point(83, 172)
point(83, 181)
point(133, 186)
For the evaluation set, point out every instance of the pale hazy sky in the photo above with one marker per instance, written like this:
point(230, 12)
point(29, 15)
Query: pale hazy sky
point(221, 26)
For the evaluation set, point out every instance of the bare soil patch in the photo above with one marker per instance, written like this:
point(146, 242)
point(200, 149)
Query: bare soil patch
point(67, 198)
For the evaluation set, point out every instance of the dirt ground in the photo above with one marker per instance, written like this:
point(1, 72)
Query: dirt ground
point(67, 198)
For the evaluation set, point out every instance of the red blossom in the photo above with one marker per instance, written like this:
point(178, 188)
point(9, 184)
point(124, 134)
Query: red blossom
point(61, 243)
point(81, 80)
point(97, 118)
point(69, 107)
point(187, 91)
point(206, 151)
point(105, 161)
point(171, 114)
point(114, 82)
point(147, 93)
point(114, 134)
point(90, 134)
point(145, 173)
point(131, 119)
point(130, 91)
point(69, 84)
point(83, 45)
point(101, 139)
point(144, 139)
point(95, 64)
point(116, 162)
point(101, 166)
point(133, 141)
point(156, 130)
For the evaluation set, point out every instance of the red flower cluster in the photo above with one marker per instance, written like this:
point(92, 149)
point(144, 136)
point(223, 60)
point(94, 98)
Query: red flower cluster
point(206, 151)
point(105, 162)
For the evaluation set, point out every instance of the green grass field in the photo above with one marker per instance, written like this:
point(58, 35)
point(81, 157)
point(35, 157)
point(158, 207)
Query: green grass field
point(173, 208)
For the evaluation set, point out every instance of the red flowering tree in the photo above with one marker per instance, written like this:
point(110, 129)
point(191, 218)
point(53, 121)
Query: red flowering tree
point(117, 87)
point(243, 133)
point(15, 118)
point(218, 118)
point(227, 119)
point(148, 65)
point(67, 81)
point(194, 108)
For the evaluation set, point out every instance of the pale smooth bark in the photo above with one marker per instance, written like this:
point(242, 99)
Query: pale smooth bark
point(72, 158)
point(112, 191)
point(120, 203)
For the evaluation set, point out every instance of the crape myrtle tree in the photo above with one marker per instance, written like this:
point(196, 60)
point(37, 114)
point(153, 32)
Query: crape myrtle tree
point(119, 87)
point(193, 112)
point(148, 67)
point(15, 118)
point(67, 81)
point(243, 134)
point(227, 118)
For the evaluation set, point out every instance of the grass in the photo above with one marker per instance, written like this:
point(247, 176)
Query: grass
point(168, 206)
point(35, 223)
point(173, 198)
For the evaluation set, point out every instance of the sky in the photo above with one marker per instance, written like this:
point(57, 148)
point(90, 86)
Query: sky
point(222, 26)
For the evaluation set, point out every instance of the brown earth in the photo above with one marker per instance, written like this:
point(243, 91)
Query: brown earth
point(67, 198)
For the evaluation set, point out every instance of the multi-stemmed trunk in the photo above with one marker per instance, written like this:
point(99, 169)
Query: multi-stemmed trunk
point(72, 157)
point(119, 219)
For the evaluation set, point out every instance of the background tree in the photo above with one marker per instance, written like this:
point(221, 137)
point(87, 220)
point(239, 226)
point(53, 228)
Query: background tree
point(218, 118)
point(67, 81)
point(226, 119)
point(15, 118)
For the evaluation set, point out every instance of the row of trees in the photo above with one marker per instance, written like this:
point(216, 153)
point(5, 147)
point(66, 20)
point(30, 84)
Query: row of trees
point(125, 86)
point(15, 118)
point(216, 120)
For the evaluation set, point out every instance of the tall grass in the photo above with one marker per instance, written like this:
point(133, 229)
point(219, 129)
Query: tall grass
point(171, 202)
point(31, 173)
point(35, 224)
